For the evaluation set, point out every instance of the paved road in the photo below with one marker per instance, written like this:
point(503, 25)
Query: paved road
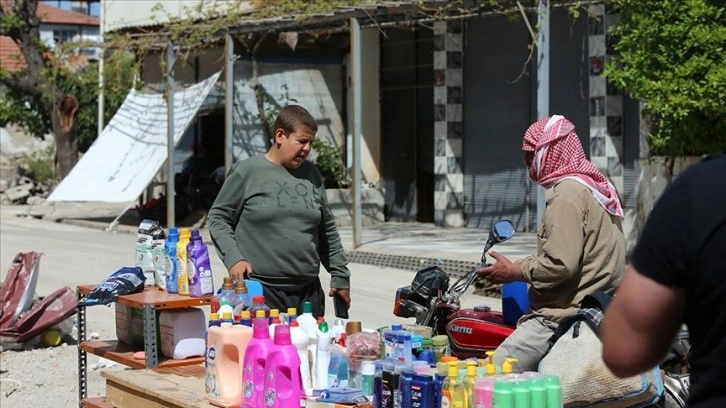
point(77, 255)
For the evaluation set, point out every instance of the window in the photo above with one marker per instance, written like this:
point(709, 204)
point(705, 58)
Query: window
point(61, 36)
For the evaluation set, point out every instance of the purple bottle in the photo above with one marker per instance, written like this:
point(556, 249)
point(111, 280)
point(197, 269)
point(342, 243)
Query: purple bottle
point(198, 268)
point(283, 383)
point(253, 368)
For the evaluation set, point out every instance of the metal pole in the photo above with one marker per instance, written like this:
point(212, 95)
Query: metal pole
point(228, 101)
point(100, 73)
point(170, 193)
point(543, 82)
point(355, 51)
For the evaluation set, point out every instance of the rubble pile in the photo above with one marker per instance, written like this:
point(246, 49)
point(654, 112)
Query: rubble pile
point(23, 190)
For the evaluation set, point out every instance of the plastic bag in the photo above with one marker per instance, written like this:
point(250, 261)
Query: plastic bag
point(122, 282)
point(363, 346)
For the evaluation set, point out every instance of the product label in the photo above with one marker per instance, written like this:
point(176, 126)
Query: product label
point(386, 397)
point(269, 397)
point(416, 397)
point(210, 376)
point(445, 401)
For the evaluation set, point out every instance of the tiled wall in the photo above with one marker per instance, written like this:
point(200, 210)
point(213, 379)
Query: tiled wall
point(448, 123)
point(606, 103)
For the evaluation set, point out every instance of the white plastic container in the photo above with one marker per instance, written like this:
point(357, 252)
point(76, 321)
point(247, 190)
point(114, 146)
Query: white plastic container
point(182, 333)
point(301, 340)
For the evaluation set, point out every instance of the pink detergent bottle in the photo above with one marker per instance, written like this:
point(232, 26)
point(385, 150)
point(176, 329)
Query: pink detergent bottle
point(283, 384)
point(253, 369)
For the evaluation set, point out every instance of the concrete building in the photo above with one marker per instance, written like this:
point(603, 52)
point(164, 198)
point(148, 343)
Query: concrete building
point(446, 103)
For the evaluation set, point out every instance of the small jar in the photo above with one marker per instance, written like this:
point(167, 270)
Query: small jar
point(441, 346)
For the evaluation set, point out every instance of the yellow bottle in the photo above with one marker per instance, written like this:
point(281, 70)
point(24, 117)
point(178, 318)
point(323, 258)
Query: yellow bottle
point(470, 380)
point(507, 365)
point(182, 276)
point(491, 367)
point(449, 386)
point(457, 387)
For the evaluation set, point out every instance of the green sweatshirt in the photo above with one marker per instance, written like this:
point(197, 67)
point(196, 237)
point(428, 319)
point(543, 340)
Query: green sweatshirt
point(278, 220)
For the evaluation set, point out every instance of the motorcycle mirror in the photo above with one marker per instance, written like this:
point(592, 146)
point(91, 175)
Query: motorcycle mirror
point(502, 231)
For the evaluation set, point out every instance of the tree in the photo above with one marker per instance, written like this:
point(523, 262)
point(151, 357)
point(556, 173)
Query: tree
point(54, 93)
point(671, 55)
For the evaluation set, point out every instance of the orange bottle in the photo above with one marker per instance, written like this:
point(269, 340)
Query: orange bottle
point(225, 358)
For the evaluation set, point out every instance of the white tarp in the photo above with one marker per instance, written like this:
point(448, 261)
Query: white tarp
point(132, 147)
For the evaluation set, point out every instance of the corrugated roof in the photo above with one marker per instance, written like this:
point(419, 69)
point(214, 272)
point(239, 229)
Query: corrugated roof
point(10, 56)
point(53, 15)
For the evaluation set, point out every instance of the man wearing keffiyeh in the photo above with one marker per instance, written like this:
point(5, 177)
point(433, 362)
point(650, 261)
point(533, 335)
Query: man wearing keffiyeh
point(580, 243)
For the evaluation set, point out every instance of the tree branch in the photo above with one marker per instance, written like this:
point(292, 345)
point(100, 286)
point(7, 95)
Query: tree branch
point(24, 84)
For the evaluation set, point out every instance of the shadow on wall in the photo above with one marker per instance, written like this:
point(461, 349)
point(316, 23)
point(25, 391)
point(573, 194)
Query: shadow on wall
point(340, 202)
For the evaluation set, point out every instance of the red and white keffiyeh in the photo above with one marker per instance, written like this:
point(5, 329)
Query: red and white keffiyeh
point(558, 154)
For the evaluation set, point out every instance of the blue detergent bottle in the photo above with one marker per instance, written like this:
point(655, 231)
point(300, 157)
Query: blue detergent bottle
point(170, 252)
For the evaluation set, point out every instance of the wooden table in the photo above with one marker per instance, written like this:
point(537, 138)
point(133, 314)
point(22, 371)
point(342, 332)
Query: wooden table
point(174, 387)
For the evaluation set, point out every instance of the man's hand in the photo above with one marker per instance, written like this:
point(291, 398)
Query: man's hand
point(503, 271)
point(240, 271)
point(343, 293)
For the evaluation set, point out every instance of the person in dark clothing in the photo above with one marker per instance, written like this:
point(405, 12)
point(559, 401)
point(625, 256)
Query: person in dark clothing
point(677, 274)
point(271, 221)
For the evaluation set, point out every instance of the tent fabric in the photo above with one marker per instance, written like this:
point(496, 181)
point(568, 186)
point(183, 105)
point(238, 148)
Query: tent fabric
point(132, 147)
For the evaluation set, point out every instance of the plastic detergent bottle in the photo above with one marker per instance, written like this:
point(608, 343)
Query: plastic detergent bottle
point(182, 278)
point(258, 303)
point(368, 373)
point(199, 269)
point(503, 394)
point(522, 397)
point(309, 325)
point(158, 257)
point(253, 371)
point(245, 319)
point(423, 391)
point(182, 333)
point(291, 314)
point(483, 389)
point(448, 390)
point(226, 293)
point(170, 260)
point(337, 330)
point(225, 359)
point(470, 381)
point(322, 356)
point(300, 340)
point(537, 392)
point(283, 385)
point(240, 299)
point(553, 391)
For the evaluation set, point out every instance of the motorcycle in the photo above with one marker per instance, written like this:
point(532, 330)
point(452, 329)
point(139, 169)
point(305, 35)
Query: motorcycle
point(474, 331)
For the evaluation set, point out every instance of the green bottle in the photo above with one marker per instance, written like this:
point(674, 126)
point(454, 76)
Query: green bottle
point(537, 392)
point(503, 395)
point(553, 390)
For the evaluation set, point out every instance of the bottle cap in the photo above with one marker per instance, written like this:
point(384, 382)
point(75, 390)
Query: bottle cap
point(195, 234)
point(227, 316)
point(440, 340)
point(173, 232)
point(213, 316)
point(353, 327)
point(240, 287)
point(396, 327)
point(291, 311)
point(323, 326)
point(184, 233)
point(260, 314)
point(227, 283)
point(245, 315)
point(282, 335)
point(274, 312)
point(307, 307)
point(294, 323)
point(258, 299)
point(447, 359)
point(320, 320)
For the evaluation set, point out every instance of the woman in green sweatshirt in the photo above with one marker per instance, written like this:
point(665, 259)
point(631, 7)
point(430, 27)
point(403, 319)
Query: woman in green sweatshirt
point(271, 222)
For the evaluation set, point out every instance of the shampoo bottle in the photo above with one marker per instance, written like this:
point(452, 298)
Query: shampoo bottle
point(181, 262)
